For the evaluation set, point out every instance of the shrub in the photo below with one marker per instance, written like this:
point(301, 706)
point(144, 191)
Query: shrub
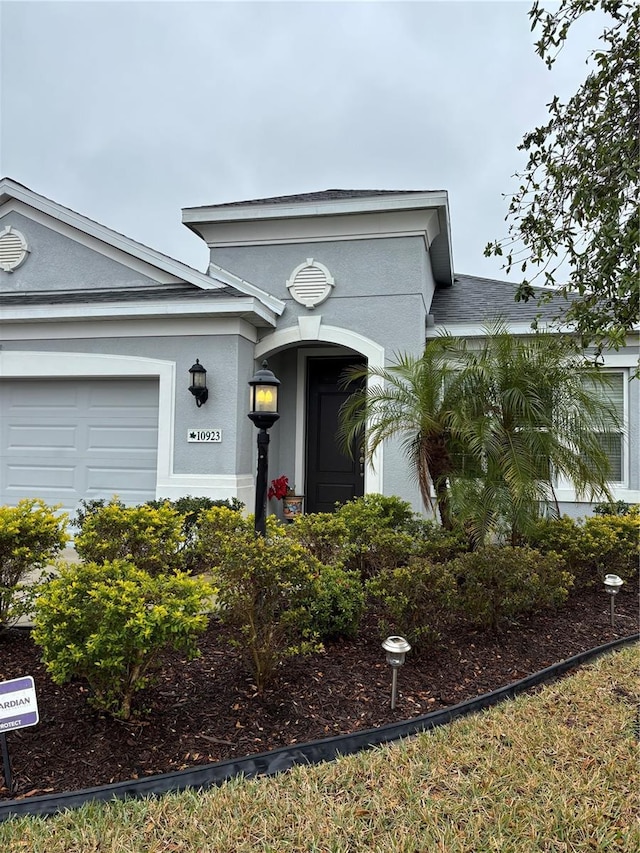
point(264, 586)
point(31, 536)
point(109, 623)
point(381, 511)
point(151, 538)
point(414, 601)
point(337, 603)
point(191, 508)
point(435, 543)
point(323, 534)
point(500, 583)
point(379, 533)
point(593, 548)
point(615, 508)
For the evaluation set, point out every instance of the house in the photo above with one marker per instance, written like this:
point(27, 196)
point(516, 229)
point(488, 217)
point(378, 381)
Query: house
point(98, 334)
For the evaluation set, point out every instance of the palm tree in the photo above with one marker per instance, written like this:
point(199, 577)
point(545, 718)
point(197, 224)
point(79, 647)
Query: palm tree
point(533, 411)
point(488, 426)
point(412, 399)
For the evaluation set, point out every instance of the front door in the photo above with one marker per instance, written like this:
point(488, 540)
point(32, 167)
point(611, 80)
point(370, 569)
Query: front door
point(332, 475)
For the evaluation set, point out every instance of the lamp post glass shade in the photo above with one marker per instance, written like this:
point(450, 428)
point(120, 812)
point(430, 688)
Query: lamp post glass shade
point(263, 398)
point(263, 404)
point(263, 391)
point(198, 385)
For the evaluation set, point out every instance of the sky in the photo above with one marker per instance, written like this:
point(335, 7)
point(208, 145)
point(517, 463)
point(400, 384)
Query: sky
point(127, 112)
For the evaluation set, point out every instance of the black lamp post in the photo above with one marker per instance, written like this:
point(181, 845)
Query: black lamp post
point(263, 405)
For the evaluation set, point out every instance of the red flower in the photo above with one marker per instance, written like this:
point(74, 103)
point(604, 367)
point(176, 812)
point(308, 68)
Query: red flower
point(278, 488)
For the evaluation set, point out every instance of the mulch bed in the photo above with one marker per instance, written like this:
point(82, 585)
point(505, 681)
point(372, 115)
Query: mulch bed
point(207, 710)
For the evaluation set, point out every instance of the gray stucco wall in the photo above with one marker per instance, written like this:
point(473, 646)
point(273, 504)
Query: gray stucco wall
point(229, 363)
point(383, 287)
point(56, 262)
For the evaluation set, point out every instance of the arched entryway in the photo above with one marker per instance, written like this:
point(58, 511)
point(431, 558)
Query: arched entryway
point(322, 469)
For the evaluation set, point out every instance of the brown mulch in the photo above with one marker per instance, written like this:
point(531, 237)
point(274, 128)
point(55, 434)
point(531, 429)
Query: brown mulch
point(207, 710)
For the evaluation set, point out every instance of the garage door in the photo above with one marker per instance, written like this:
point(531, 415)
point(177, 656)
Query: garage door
point(64, 440)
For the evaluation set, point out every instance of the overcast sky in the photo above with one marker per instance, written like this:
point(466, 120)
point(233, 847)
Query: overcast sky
point(126, 112)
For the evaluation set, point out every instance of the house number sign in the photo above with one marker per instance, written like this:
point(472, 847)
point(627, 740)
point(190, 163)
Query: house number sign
point(204, 435)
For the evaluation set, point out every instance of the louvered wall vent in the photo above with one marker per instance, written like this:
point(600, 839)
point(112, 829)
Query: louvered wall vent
point(13, 249)
point(310, 283)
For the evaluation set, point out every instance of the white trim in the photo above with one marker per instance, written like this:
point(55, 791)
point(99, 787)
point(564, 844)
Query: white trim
point(233, 307)
point(423, 223)
point(374, 353)
point(321, 207)
point(474, 330)
point(129, 328)
point(328, 238)
point(232, 280)
point(214, 486)
point(49, 365)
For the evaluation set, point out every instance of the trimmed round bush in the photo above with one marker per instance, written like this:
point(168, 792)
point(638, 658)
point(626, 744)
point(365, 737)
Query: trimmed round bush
point(149, 537)
point(499, 583)
point(109, 624)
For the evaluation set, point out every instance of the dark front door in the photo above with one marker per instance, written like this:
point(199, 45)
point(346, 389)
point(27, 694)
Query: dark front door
point(332, 475)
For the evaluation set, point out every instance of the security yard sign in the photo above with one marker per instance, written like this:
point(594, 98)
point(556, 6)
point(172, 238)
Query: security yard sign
point(18, 705)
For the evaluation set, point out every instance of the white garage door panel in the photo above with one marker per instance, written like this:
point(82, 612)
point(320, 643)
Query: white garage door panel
point(137, 438)
point(45, 477)
point(67, 440)
point(23, 436)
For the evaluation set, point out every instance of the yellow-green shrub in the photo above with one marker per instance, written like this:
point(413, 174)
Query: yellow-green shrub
point(500, 583)
point(31, 536)
point(595, 547)
point(149, 537)
point(109, 624)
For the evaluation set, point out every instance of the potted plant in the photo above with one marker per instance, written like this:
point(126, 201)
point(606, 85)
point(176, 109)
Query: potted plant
point(291, 503)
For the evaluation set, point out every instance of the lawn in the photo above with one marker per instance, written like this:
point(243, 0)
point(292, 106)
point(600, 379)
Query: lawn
point(553, 771)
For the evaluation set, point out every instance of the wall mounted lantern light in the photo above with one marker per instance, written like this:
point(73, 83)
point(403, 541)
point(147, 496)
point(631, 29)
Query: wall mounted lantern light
point(263, 411)
point(396, 649)
point(612, 584)
point(198, 385)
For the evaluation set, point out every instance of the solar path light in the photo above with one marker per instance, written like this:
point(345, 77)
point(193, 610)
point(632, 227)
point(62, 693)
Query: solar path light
point(612, 584)
point(396, 649)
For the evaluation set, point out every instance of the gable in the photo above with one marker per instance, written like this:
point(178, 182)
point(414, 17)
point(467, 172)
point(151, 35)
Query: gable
point(58, 261)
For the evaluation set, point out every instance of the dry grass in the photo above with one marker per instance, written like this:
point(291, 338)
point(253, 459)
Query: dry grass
point(556, 771)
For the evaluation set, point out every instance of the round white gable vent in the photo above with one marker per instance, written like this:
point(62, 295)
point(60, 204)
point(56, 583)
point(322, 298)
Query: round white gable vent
point(13, 249)
point(310, 283)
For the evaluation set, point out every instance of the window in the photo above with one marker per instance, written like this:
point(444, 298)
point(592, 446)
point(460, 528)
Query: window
point(612, 443)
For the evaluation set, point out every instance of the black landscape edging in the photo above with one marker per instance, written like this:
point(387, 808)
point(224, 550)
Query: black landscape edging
point(284, 758)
